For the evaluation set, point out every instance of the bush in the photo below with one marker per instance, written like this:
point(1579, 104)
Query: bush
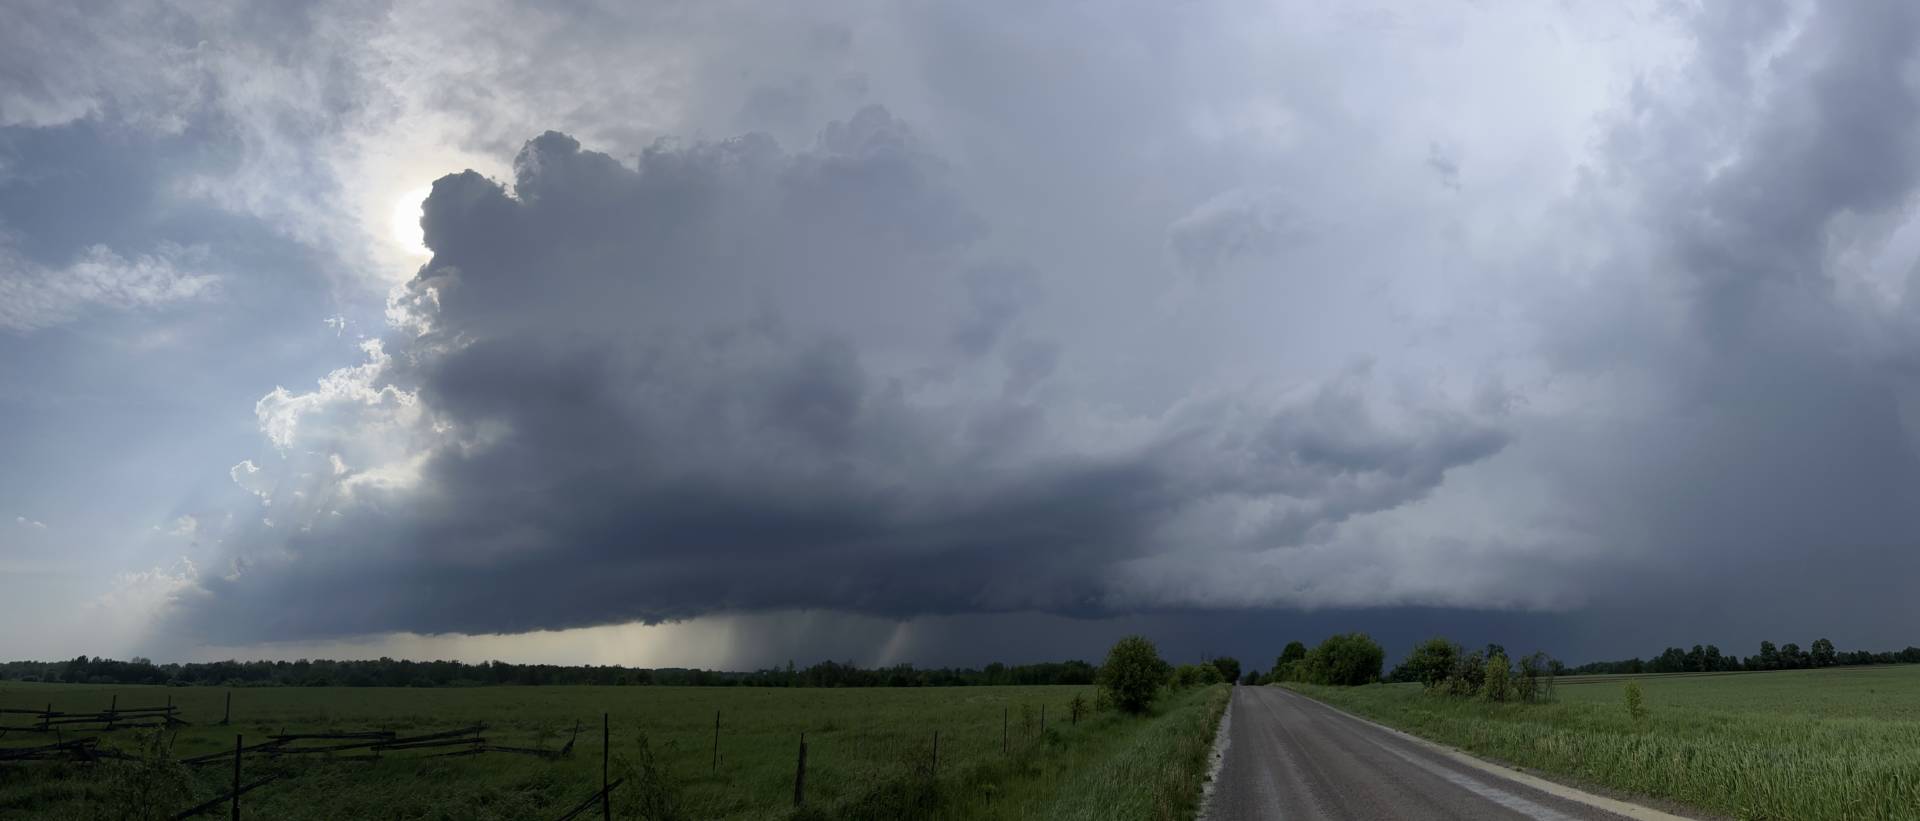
point(1468, 676)
point(1132, 674)
point(1196, 675)
point(1536, 678)
point(1636, 703)
point(1347, 659)
point(145, 785)
point(1430, 662)
point(1497, 684)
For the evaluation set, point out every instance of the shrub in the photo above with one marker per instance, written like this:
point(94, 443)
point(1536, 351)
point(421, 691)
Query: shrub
point(1077, 708)
point(1497, 684)
point(1132, 673)
point(1636, 703)
point(1536, 678)
point(141, 787)
point(1468, 676)
point(1196, 675)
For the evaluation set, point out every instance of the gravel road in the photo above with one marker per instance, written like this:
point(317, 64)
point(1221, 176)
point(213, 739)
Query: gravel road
point(1290, 757)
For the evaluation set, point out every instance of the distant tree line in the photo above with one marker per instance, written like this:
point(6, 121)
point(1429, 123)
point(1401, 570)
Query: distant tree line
point(1709, 659)
point(387, 672)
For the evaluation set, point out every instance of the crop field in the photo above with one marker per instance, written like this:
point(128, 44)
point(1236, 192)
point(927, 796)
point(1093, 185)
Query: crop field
point(870, 753)
point(1840, 743)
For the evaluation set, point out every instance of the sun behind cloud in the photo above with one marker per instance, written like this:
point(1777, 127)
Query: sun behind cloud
point(404, 226)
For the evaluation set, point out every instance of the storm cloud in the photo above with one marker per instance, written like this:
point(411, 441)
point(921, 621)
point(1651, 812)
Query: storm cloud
point(1593, 326)
point(722, 379)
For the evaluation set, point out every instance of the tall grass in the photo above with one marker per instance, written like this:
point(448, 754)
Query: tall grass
point(1808, 745)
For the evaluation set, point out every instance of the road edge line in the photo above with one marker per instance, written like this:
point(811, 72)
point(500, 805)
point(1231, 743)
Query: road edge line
point(1556, 789)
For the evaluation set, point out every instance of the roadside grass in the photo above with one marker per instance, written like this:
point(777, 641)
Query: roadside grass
point(1802, 744)
point(870, 752)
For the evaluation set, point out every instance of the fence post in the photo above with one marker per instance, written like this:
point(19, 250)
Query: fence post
point(236, 778)
point(113, 710)
point(46, 719)
point(606, 736)
point(1004, 710)
point(800, 774)
point(716, 742)
point(935, 769)
point(226, 716)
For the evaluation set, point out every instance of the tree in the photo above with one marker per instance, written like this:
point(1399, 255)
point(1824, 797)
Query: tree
point(1535, 680)
point(1822, 653)
point(1430, 662)
point(1132, 674)
point(1792, 657)
point(1294, 651)
point(1769, 657)
point(1346, 659)
point(1229, 668)
point(1672, 660)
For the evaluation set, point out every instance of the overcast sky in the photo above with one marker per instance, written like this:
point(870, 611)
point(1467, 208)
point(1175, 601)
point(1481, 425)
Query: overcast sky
point(722, 333)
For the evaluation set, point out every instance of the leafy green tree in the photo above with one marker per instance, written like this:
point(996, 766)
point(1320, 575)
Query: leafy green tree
point(1822, 654)
point(1769, 657)
point(1430, 662)
point(1229, 668)
point(1132, 674)
point(1792, 657)
point(1697, 659)
point(1346, 659)
point(1294, 651)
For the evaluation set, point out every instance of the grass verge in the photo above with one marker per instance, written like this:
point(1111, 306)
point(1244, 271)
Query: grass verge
point(1811, 745)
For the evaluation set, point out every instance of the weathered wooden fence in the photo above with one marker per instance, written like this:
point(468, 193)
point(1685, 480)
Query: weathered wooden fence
point(463, 741)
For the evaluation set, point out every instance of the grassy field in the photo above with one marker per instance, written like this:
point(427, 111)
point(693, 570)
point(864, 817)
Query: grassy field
point(869, 752)
point(1802, 744)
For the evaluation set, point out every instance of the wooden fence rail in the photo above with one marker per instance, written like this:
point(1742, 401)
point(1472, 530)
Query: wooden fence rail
point(597, 797)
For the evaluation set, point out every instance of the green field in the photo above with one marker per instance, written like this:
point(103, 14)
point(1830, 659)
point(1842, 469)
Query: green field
point(1804, 744)
point(869, 752)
